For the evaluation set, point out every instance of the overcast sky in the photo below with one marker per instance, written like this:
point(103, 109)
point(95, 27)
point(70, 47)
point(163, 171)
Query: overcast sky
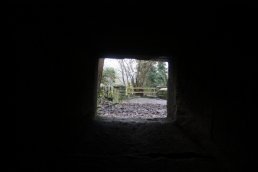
point(111, 63)
point(114, 63)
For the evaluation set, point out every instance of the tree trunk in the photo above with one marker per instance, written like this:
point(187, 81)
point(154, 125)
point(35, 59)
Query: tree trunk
point(100, 71)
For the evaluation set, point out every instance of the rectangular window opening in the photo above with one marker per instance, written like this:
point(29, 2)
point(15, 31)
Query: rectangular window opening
point(132, 89)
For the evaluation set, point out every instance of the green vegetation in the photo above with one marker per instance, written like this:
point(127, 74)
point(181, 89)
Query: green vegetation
point(157, 75)
point(109, 76)
point(138, 74)
point(162, 93)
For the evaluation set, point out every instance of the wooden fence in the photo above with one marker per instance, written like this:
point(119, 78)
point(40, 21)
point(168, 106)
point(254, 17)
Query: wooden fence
point(142, 91)
point(117, 93)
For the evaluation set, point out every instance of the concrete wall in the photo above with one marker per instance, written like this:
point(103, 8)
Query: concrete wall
point(57, 50)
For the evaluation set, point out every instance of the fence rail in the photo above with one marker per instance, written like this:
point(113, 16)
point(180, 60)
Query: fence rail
point(141, 90)
point(118, 93)
point(109, 91)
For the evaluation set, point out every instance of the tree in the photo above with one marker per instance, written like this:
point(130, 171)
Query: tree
point(134, 72)
point(162, 73)
point(100, 71)
point(128, 71)
point(152, 77)
point(109, 76)
point(142, 73)
point(143, 69)
point(158, 75)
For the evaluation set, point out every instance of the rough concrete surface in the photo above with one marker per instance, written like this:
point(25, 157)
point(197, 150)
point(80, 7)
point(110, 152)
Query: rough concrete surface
point(137, 146)
point(52, 73)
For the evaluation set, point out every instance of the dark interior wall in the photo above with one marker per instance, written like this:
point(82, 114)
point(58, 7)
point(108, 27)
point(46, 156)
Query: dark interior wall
point(216, 82)
point(57, 50)
point(55, 81)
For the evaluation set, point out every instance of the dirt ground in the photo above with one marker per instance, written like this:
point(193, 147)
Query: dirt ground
point(147, 101)
point(137, 108)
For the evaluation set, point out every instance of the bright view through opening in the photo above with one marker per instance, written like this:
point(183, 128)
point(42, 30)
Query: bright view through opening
point(132, 89)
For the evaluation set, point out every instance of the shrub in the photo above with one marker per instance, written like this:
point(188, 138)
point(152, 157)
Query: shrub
point(162, 93)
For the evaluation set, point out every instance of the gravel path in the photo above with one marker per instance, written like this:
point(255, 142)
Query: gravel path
point(147, 100)
point(138, 108)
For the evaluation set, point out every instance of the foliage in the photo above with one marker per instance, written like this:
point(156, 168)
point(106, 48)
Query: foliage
point(135, 72)
point(143, 69)
point(157, 75)
point(152, 77)
point(109, 76)
point(162, 93)
point(162, 74)
point(128, 71)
